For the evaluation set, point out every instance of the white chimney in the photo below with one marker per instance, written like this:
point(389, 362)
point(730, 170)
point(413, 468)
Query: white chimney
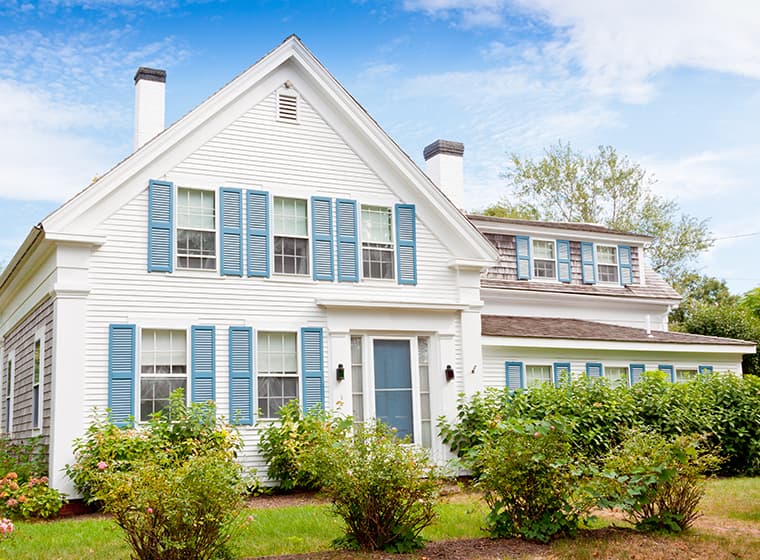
point(445, 167)
point(150, 99)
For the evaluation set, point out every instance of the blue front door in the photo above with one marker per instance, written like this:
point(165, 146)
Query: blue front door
point(393, 385)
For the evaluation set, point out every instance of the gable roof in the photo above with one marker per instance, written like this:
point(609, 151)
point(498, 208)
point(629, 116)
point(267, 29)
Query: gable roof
point(380, 151)
point(578, 329)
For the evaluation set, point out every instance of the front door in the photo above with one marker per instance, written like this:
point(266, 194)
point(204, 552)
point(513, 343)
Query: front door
point(393, 385)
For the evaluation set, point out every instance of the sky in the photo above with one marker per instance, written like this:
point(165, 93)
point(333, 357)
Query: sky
point(672, 84)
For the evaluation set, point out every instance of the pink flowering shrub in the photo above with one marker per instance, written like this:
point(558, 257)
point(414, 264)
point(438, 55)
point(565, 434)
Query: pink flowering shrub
point(33, 498)
point(6, 528)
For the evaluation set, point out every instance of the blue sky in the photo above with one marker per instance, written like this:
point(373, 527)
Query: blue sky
point(675, 85)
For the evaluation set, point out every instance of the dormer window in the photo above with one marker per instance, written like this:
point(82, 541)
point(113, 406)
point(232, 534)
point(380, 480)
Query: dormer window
point(607, 264)
point(544, 263)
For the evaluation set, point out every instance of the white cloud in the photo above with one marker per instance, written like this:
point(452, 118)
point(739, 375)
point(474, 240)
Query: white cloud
point(380, 70)
point(466, 13)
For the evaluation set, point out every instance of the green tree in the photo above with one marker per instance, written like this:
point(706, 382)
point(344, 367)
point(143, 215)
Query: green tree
point(696, 290)
point(609, 189)
point(751, 301)
point(504, 209)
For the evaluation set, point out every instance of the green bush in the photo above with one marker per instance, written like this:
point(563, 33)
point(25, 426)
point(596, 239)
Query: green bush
point(383, 488)
point(530, 479)
point(285, 442)
point(27, 458)
point(28, 499)
point(658, 482)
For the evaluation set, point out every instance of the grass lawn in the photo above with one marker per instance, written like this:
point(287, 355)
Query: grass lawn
point(730, 529)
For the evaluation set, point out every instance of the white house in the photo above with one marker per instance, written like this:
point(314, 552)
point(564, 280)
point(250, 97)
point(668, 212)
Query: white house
point(275, 243)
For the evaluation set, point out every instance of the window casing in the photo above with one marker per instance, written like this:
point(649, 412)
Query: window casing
point(163, 368)
point(686, 374)
point(544, 259)
point(537, 375)
point(38, 365)
point(277, 372)
point(196, 229)
point(291, 236)
point(617, 375)
point(9, 375)
point(607, 264)
point(377, 242)
point(357, 379)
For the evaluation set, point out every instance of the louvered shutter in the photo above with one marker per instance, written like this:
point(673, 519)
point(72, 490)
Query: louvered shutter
point(160, 226)
point(593, 370)
point(522, 247)
point(704, 370)
point(232, 231)
point(348, 240)
point(257, 224)
point(588, 264)
point(564, 271)
point(636, 371)
point(515, 379)
point(322, 236)
point(406, 243)
point(669, 370)
point(561, 373)
point(625, 265)
point(312, 370)
point(203, 369)
point(241, 375)
point(121, 373)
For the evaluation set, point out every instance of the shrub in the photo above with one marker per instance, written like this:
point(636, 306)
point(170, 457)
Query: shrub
point(26, 458)
point(6, 529)
point(285, 442)
point(657, 482)
point(530, 480)
point(382, 488)
point(33, 498)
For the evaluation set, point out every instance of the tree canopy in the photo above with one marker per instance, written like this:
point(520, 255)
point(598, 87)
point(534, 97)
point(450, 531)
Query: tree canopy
point(604, 188)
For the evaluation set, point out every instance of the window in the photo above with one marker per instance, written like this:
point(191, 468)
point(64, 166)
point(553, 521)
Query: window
point(685, 375)
point(291, 236)
point(537, 375)
point(357, 380)
point(617, 375)
point(9, 374)
point(37, 382)
point(377, 242)
point(163, 369)
point(423, 365)
point(544, 264)
point(607, 263)
point(277, 372)
point(196, 229)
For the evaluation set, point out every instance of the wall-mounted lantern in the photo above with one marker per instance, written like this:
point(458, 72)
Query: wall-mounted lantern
point(340, 372)
point(449, 373)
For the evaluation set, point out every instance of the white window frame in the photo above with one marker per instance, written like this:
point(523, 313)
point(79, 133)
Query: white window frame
point(258, 374)
point(309, 240)
point(39, 336)
point(599, 264)
point(527, 365)
point(177, 227)
point(533, 259)
point(693, 372)
point(625, 371)
point(141, 375)
point(9, 383)
point(392, 245)
point(357, 392)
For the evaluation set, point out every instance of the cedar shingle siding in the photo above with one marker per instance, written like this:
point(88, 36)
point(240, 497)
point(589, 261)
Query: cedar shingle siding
point(20, 340)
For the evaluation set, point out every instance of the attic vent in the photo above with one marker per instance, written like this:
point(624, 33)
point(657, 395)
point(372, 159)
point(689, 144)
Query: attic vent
point(287, 105)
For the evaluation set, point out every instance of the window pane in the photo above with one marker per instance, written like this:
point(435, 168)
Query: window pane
point(290, 217)
point(537, 375)
point(543, 249)
point(195, 209)
point(37, 350)
point(608, 273)
point(606, 255)
point(617, 376)
point(154, 394)
point(376, 224)
point(544, 269)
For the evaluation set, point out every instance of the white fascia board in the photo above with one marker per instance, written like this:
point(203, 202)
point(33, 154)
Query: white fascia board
point(542, 296)
point(391, 305)
point(75, 239)
point(563, 343)
point(469, 264)
point(561, 233)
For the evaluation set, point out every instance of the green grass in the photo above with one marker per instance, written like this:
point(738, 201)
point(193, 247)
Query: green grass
point(736, 498)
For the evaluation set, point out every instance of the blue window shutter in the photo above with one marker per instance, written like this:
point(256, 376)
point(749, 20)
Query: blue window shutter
point(564, 270)
point(705, 370)
point(348, 240)
point(312, 368)
point(515, 375)
point(241, 375)
point(594, 370)
point(635, 372)
point(522, 246)
point(561, 372)
point(160, 226)
point(588, 263)
point(257, 223)
point(669, 370)
point(406, 243)
point(625, 264)
point(232, 231)
point(121, 373)
point(322, 238)
point(203, 369)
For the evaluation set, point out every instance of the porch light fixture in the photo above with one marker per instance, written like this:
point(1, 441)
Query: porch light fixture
point(449, 373)
point(340, 372)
